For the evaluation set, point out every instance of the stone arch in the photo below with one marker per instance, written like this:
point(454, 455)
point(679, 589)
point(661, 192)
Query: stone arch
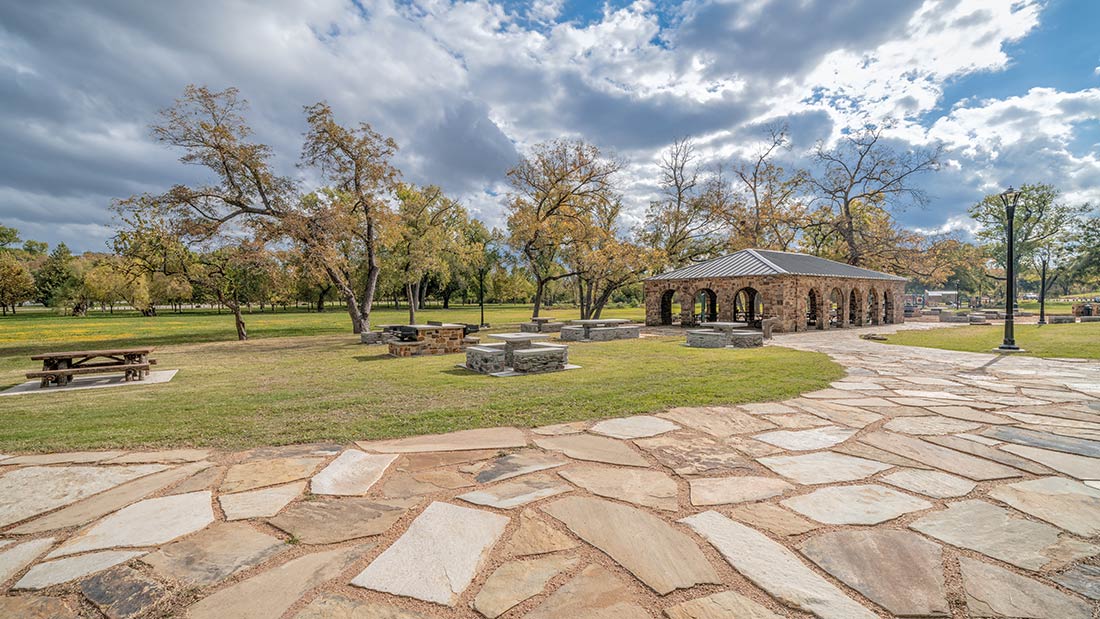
point(887, 307)
point(855, 308)
point(813, 309)
point(708, 305)
point(874, 313)
point(748, 305)
point(667, 299)
point(834, 308)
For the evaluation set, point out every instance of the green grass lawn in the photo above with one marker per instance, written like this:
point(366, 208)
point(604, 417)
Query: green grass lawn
point(1081, 340)
point(285, 386)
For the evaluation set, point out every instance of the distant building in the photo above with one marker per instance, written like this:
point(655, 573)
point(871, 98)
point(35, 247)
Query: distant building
point(800, 291)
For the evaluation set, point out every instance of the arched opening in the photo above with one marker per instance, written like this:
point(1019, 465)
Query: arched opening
point(708, 305)
point(811, 309)
point(887, 308)
point(666, 306)
point(836, 304)
point(748, 306)
point(873, 313)
point(853, 308)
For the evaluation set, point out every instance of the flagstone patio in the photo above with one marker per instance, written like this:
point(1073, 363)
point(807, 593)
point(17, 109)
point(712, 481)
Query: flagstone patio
point(927, 483)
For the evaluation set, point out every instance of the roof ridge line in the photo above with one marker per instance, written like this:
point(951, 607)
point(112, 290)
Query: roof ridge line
point(769, 263)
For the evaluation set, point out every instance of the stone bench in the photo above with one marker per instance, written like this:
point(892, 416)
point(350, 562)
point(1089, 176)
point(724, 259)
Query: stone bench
point(746, 339)
point(1090, 319)
point(486, 359)
point(606, 334)
point(572, 334)
point(406, 349)
point(1062, 320)
point(945, 317)
point(978, 319)
point(706, 338)
point(540, 327)
point(540, 358)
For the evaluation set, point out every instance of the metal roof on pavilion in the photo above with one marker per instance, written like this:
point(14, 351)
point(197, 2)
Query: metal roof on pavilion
point(767, 262)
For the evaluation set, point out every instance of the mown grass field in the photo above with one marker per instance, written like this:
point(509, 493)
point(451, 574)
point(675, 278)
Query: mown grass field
point(304, 377)
point(1080, 340)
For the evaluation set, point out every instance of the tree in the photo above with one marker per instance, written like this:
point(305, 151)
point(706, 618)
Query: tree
point(246, 193)
point(603, 263)
point(485, 255)
point(358, 163)
point(8, 237)
point(425, 232)
point(769, 211)
point(859, 182)
point(551, 189)
point(684, 224)
point(1041, 225)
point(57, 277)
point(16, 282)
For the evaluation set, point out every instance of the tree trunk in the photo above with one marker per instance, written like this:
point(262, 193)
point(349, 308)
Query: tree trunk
point(539, 286)
point(446, 294)
point(422, 293)
point(242, 332)
point(848, 232)
point(410, 292)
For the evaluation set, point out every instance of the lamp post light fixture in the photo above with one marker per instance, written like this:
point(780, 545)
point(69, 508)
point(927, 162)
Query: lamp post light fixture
point(1010, 198)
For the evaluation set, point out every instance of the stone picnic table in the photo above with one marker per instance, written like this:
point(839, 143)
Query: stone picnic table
point(517, 341)
point(60, 367)
point(593, 323)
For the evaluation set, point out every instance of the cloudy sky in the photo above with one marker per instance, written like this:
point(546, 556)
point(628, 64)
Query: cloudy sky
point(1011, 87)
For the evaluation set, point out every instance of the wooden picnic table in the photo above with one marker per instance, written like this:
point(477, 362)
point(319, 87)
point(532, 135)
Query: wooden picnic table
point(60, 367)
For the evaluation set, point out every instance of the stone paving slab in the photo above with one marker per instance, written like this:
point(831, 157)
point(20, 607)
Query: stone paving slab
point(437, 557)
point(19, 556)
point(992, 591)
point(58, 571)
point(807, 440)
point(718, 421)
point(489, 438)
point(214, 554)
point(668, 560)
point(727, 604)
point(694, 455)
point(823, 467)
point(104, 503)
point(261, 503)
point(534, 536)
point(37, 607)
point(1068, 504)
point(997, 533)
point(271, 593)
point(989, 452)
point(514, 465)
point(898, 570)
point(337, 606)
point(31, 491)
point(638, 426)
point(148, 523)
point(595, 593)
point(930, 483)
point(639, 486)
point(517, 492)
point(592, 449)
point(728, 490)
point(774, 568)
point(262, 473)
point(124, 593)
point(517, 581)
point(332, 521)
point(865, 504)
point(939, 457)
point(1075, 466)
point(352, 473)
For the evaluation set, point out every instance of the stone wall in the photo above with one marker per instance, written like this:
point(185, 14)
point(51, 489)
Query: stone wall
point(488, 359)
point(784, 297)
point(540, 359)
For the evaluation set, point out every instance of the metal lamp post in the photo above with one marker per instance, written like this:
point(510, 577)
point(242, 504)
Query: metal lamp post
point(1009, 198)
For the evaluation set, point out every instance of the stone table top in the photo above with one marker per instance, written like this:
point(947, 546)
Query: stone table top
point(518, 337)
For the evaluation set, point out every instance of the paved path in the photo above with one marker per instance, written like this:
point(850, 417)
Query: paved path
point(925, 483)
